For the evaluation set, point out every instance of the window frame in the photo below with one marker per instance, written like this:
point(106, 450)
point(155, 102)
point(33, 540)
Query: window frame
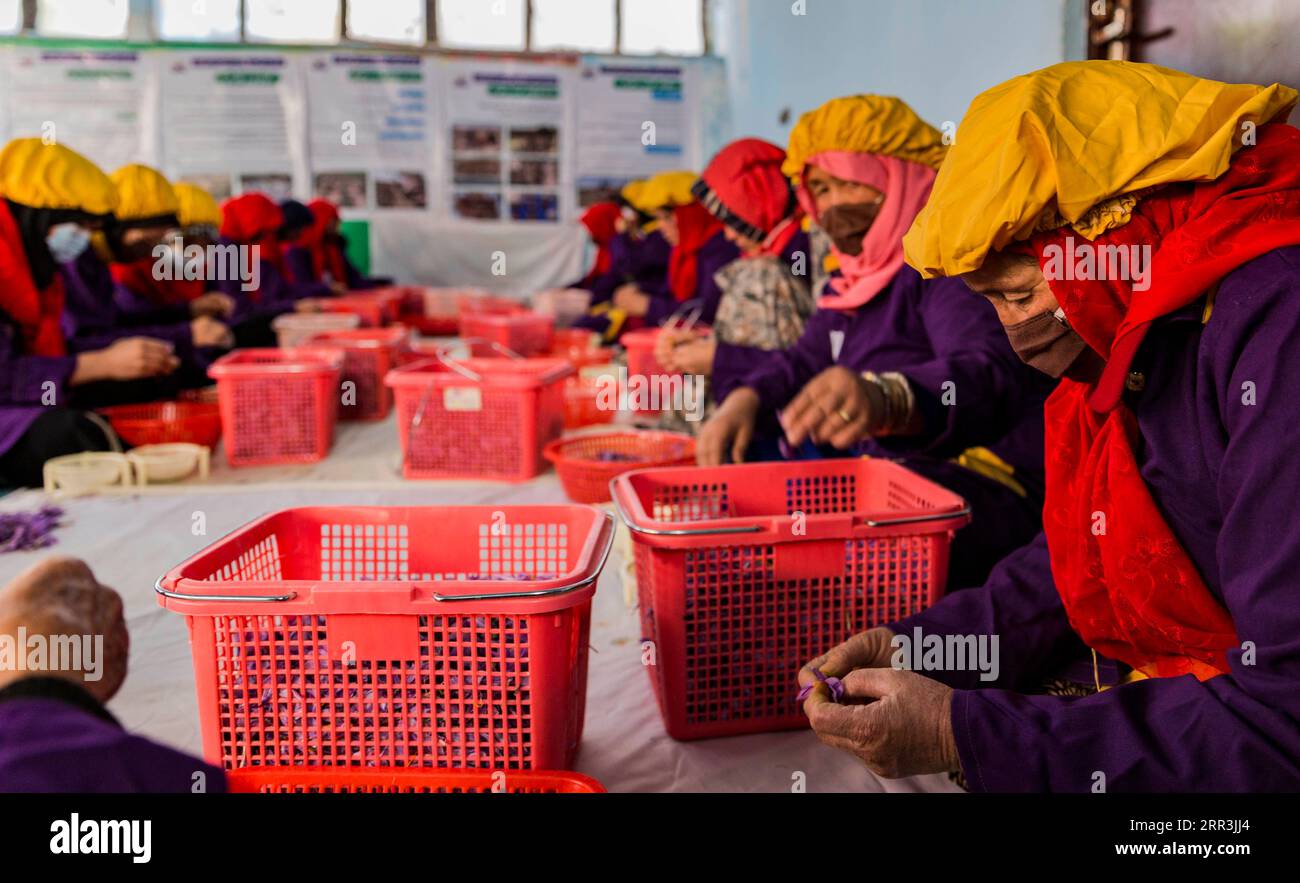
point(345, 39)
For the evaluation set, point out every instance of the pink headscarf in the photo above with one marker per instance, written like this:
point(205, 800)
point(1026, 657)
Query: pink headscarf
point(906, 186)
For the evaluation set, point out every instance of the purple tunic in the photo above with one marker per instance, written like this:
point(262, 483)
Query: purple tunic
point(52, 746)
point(715, 254)
point(1219, 419)
point(92, 319)
point(22, 380)
point(275, 293)
point(935, 333)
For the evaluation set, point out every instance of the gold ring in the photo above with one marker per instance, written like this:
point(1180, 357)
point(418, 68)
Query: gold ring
point(847, 418)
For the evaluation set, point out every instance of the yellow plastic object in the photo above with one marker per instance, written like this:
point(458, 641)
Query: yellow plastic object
point(162, 464)
point(87, 473)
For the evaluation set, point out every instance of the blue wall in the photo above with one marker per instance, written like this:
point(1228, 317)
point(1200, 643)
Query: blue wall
point(935, 54)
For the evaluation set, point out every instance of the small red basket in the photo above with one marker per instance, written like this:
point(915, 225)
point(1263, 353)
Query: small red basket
point(747, 572)
point(376, 309)
point(642, 366)
point(591, 397)
point(528, 334)
point(278, 406)
point(163, 423)
point(587, 463)
point(367, 637)
point(282, 780)
point(368, 355)
point(478, 418)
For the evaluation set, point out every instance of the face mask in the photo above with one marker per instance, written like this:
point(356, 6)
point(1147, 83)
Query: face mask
point(66, 242)
point(1047, 343)
point(846, 225)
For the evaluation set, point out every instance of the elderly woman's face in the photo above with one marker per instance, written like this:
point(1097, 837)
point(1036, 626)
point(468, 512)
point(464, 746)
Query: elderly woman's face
point(1015, 285)
point(829, 191)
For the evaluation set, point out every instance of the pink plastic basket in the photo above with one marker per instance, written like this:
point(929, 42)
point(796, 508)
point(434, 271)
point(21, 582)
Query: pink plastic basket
point(286, 780)
point(747, 572)
point(478, 418)
point(368, 355)
point(642, 366)
point(449, 637)
point(278, 406)
point(528, 334)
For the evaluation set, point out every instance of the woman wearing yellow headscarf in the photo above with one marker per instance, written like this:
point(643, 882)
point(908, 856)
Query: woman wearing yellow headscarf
point(891, 365)
point(1138, 231)
point(51, 201)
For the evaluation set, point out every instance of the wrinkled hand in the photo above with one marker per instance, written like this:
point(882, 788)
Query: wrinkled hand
point(685, 352)
point(836, 407)
point(133, 358)
point(903, 729)
point(208, 332)
point(869, 649)
point(60, 596)
point(729, 431)
point(214, 304)
point(632, 300)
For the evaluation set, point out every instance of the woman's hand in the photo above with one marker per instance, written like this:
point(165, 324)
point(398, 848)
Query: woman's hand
point(632, 300)
point(61, 597)
point(131, 358)
point(899, 723)
point(729, 430)
point(214, 304)
point(685, 352)
point(837, 407)
point(869, 649)
point(208, 332)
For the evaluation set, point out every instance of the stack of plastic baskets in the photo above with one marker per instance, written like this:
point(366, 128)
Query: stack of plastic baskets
point(375, 309)
point(525, 333)
point(366, 637)
point(368, 355)
point(747, 572)
point(642, 366)
point(478, 418)
point(295, 329)
point(282, 780)
point(160, 423)
point(278, 406)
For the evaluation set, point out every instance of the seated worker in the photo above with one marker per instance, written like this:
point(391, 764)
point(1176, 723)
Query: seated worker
point(51, 199)
point(252, 222)
point(319, 253)
point(638, 257)
point(56, 736)
point(94, 316)
point(890, 365)
point(766, 298)
point(601, 222)
point(1169, 541)
point(700, 249)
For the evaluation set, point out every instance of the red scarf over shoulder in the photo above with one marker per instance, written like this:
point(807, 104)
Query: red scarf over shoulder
point(695, 227)
point(37, 313)
point(1131, 591)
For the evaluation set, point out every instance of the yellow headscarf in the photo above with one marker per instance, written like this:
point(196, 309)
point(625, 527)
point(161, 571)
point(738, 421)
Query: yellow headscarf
point(51, 176)
point(864, 124)
point(142, 193)
point(1077, 143)
point(667, 189)
point(197, 207)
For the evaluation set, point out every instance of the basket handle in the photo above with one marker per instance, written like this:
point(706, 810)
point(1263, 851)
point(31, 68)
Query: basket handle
point(181, 596)
point(545, 593)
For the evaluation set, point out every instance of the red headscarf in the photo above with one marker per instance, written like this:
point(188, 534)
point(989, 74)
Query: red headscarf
point(37, 312)
point(253, 219)
point(138, 276)
point(745, 188)
point(600, 221)
point(1133, 593)
point(695, 227)
point(326, 255)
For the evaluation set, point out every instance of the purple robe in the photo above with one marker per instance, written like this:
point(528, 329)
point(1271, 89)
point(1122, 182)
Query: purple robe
point(93, 320)
point(52, 746)
point(275, 294)
point(1218, 418)
point(715, 254)
point(22, 380)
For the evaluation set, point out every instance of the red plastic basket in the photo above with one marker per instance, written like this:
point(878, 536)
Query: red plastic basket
point(478, 418)
point(281, 780)
point(394, 637)
point(278, 406)
point(528, 334)
point(161, 423)
point(375, 308)
point(478, 301)
point(584, 395)
point(368, 355)
point(747, 572)
point(587, 463)
point(642, 366)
